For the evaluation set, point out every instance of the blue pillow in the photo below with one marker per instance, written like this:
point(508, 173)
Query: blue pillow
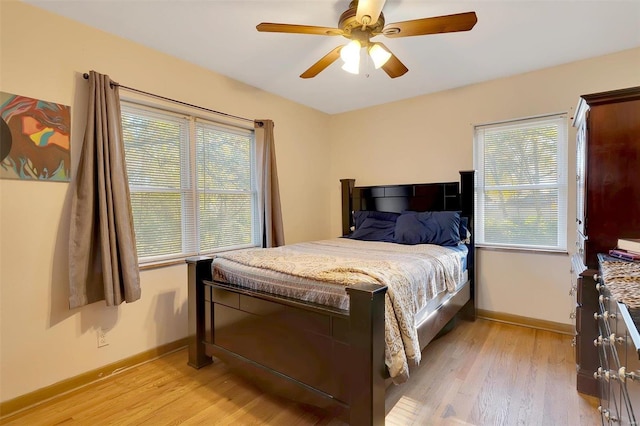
point(441, 228)
point(410, 230)
point(359, 216)
point(464, 226)
point(447, 228)
point(372, 229)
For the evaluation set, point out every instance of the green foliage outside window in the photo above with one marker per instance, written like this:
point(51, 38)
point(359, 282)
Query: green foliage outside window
point(188, 195)
point(522, 192)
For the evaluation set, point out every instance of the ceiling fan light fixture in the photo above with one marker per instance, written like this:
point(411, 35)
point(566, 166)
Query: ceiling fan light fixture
point(351, 52)
point(352, 67)
point(379, 55)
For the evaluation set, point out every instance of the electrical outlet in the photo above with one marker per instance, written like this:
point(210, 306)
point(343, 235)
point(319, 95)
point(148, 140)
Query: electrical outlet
point(102, 337)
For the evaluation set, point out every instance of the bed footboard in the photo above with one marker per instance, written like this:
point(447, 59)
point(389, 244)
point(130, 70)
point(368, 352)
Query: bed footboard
point(199, 269)
point(318, 355)
point(367, 382)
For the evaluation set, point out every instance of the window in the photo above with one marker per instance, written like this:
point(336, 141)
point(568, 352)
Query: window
point(522, 183)
point(192, 183)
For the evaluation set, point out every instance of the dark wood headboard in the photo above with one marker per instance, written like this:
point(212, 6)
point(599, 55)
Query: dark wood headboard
point(438, 196)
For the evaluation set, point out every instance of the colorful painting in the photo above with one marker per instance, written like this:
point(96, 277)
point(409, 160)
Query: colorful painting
point(34, 139)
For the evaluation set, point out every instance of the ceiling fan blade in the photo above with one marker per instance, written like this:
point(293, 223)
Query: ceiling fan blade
point(370, 9)
point(435, 25)
point(393, 67)
point(319, 66)
point(268, 27)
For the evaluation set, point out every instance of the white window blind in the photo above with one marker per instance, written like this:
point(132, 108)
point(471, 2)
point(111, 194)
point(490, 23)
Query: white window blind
point(522, 183)
point(225, 187)
point(192, 184)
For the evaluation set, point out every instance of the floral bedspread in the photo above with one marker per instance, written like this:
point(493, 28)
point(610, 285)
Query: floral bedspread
point(413, 274)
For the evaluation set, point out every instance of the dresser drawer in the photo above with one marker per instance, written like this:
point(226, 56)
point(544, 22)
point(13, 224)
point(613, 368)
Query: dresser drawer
point(618, 330)
point(587, 295)
point(629, 371)
point(629, 380)
point(587, 357)
point(632, 393)
point(606, 362)
point(617, 406)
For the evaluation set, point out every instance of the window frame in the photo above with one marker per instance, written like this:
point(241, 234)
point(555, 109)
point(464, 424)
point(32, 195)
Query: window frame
point(561, 184)
point(189, 190)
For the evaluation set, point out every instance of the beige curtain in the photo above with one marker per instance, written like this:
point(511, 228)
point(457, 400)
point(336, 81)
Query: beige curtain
point(103, 263)
point(268, 191)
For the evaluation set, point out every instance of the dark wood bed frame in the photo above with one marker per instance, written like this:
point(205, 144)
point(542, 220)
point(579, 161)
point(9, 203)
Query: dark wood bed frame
point(315, 354)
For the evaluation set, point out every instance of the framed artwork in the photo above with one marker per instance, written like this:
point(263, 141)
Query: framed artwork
point(35, 139)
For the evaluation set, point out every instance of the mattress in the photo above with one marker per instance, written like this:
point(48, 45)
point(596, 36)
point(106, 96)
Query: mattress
point(295, 286)
point(418, 278)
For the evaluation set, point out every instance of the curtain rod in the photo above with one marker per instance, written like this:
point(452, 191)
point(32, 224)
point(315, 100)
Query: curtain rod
point(113, 83)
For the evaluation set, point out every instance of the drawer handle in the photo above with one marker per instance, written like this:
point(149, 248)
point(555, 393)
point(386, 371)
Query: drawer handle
point(600, 287)
point(600, 341)
point(609, 417)
point(606, 414)
point(598, 374)
point(617, 339)
point(609, 376)
point(602, 299)
point(622, 373)
point(606, 315)
point(596, 278)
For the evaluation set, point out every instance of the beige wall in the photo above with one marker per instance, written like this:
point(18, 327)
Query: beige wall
point(41, 341)
point(430, 138)
point(422, 139)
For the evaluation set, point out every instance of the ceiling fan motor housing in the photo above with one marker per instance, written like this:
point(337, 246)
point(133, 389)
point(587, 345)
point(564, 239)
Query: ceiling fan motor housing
point(352, 29)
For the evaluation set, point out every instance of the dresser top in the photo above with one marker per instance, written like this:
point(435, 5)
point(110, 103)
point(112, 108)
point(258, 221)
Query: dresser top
point(622, 279)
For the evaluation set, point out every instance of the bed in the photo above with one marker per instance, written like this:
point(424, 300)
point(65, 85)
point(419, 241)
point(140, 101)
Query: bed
point(332, 350)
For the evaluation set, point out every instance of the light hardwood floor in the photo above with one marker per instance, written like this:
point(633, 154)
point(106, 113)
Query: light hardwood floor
point(481, 373)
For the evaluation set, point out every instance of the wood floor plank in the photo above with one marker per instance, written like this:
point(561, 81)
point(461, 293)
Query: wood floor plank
point(481, 373)
point(533, 382)
point(471, 402)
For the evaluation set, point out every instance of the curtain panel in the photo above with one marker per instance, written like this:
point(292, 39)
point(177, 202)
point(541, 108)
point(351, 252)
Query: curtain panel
point(103, 264)
point(268, 190)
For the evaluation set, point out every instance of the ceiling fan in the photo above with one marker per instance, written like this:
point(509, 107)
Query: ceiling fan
point(364, 20)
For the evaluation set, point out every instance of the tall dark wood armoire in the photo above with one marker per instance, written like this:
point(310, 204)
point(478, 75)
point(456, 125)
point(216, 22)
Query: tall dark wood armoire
point(607, 208)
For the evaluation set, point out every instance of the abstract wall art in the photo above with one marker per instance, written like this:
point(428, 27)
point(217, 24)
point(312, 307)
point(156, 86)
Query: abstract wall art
point(35, 139)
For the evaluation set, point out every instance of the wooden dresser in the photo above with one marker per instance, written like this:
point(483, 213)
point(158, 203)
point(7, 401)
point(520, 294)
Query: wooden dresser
point(618, 340)
point(586, 299)
point(607, 207)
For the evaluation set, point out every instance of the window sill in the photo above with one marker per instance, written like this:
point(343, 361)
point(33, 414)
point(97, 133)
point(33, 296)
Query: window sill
point(160, 264)
point(522, 250)
point(182, 260)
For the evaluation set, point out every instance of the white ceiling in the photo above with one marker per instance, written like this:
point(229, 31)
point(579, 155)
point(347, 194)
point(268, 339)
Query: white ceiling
point(511, 37)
